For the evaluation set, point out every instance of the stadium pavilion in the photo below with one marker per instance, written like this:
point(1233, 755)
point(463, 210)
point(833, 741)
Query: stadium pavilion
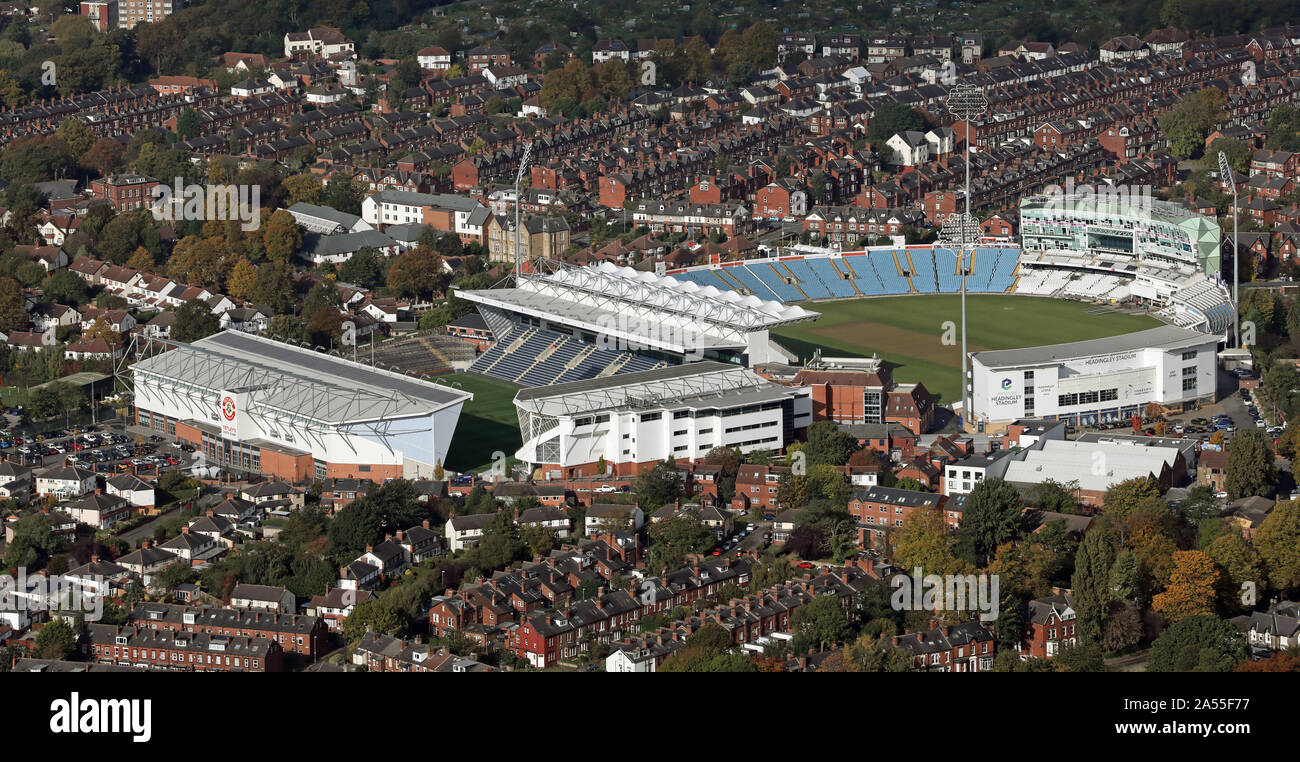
point(260, 406)
point(636, 420)
point(1087, 382)
point(565, 323)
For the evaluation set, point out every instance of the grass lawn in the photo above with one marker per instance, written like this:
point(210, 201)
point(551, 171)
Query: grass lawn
point(487, 423)
point(909, 331)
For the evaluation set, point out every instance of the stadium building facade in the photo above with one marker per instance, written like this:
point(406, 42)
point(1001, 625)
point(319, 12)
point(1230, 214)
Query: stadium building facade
point(260, 406)
point(633, 421)
point(1121, 229)
point(1093, 381)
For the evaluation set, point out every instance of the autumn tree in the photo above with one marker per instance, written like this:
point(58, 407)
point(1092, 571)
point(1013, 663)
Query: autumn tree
point(281, 236)
point(417, 273)
point(1240, 570)
point(13, 309)
point(1191, 588)
point(1278, 542)
point(242, 282)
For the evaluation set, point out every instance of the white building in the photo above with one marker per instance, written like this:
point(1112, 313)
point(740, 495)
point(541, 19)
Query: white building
point(638, 419)
point(1091, 381)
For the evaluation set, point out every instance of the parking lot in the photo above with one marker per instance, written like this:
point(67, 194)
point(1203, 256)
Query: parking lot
point(103, 449)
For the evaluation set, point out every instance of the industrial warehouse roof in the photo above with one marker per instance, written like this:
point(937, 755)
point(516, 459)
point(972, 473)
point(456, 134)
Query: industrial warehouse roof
point(296, 381)
point(696, 385)
point(1166, 337)
point(1095, 466)
point(656, 311)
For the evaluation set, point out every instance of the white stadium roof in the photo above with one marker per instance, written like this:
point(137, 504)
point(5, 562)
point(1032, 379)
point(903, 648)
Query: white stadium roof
point(655, 311)
point(288, 381)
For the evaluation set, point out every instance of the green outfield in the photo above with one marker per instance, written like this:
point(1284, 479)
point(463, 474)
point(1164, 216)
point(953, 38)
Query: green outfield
point(487, 423)
point(921, 334)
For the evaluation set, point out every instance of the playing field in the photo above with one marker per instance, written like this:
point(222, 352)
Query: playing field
point(487, 423)
point(921, 334)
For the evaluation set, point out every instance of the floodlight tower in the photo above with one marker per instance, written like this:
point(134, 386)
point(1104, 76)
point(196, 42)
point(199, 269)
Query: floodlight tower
point(1225, 174)
point(519, 180)
point(955, 230)
point(966, 102)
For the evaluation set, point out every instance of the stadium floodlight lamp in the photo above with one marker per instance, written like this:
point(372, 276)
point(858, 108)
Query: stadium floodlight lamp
point(1225, 174)
point(524, 162)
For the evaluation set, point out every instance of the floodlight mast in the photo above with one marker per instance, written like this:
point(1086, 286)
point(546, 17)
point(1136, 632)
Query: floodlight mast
point(966, 102)
point(1225, 175)
point(519, 179)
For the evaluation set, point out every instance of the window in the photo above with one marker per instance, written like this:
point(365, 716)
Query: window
point(1189, 384)
point(1190, 355)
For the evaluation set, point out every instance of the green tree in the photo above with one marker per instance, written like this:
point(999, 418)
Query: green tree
point(1091, 583)
point(56, 640)
point(992, 516)
point(820, 623)
point(658, 486)
point(194, 320)
point(1250, 465)
point(828, 444)
point(1201, 643)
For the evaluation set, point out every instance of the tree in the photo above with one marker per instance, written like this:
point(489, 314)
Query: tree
point(304, 188)
point(13, 311)
point(891, 119)
point(806, 541)
point(417, 273)
point(187, 124)
point(820, 623)
point(1187, 124)
point(194, 320)
point(991, 517)
point(924, 541)
point(727, 459)
point(1202, 643)
point(1091, 583)
point(66, 287)
point(1126, 496)
point(56, 640)
point(828, 444)
point(1278, 543)
point(281, 236)
point(1122, 627)
point(1240, 568)
point(242, 282)
point(1191, 588)
point(674, 538)
point(1250, 465)
point(363, 268)
point(658, 486)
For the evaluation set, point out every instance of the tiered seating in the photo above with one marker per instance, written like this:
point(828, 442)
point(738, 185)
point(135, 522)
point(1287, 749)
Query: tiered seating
point(923, 275)
point(887, 271)
point(515, 358)
point(809, 283)
point(1004, 270)
point(946, 263)
point(982, 270)
point(757, 285)
point(772, 277)
point(829, 277)
point(705, 278)
point(864, 273)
